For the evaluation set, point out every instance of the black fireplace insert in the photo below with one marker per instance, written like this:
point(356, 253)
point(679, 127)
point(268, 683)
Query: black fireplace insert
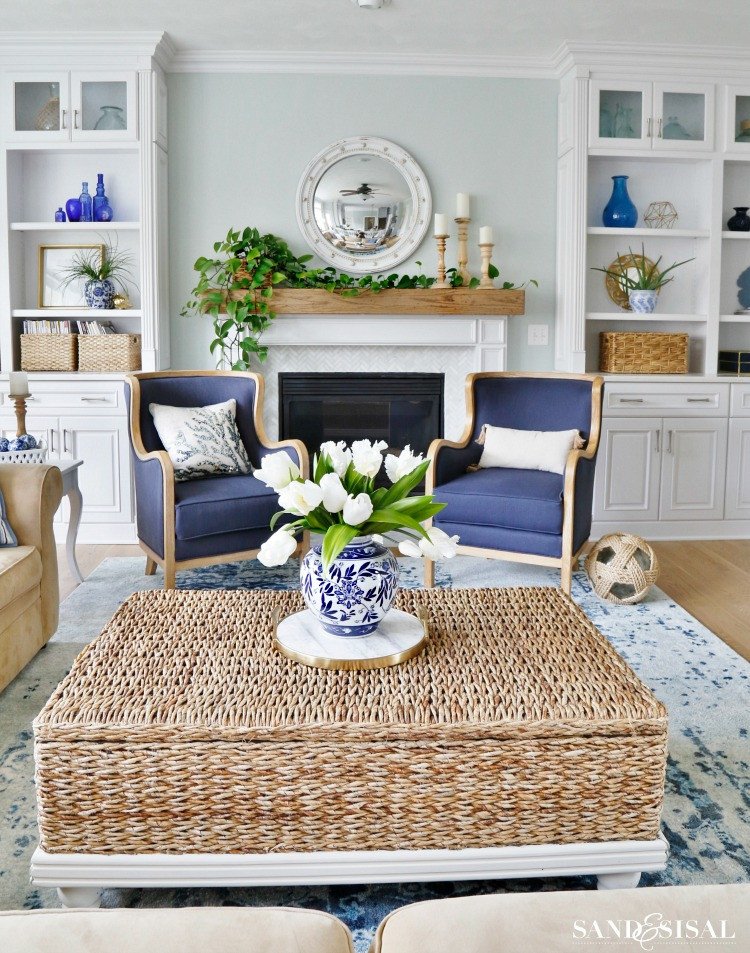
point(398, 408)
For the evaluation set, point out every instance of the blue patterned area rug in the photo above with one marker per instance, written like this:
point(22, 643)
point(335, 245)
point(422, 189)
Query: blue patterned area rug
point(703, 683)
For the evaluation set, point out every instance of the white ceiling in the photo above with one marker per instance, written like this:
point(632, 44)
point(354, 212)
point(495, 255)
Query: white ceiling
point(462, 27)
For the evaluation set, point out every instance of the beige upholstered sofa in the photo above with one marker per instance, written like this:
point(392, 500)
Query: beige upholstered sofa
point(544, 922)
point(29, 591)
point(186, 930)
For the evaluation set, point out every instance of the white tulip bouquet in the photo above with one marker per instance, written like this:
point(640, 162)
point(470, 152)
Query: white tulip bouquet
point(341, 501)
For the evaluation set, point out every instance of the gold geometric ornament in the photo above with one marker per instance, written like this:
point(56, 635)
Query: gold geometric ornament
point(660, 215)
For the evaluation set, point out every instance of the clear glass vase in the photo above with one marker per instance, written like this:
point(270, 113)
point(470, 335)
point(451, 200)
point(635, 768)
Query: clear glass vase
point(112, 117)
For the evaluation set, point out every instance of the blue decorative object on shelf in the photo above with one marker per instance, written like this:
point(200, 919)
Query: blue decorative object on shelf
point(100, 199)
point(103, 213)
point(4, 444)
point(620, 212)
point(740, 221)
point(642, 300)
point(357, 592)
point(73, 208)
point(60, 215)
point(87, 209)
point(743, 295)
point(100, 294)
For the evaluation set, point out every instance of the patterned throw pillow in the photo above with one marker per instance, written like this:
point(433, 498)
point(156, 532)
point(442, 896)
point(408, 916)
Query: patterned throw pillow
point(201, 441)
point(7, 536)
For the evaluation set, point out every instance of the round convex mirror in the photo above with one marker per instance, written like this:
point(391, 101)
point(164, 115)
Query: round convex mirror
point(363, 205)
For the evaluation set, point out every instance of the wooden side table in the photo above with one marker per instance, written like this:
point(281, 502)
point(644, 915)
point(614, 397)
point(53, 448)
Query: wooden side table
point(69, 471)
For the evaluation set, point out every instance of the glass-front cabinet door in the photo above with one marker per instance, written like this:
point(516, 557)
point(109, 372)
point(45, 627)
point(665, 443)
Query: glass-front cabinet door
point(37, 107)
point(104, 106)
point(620, 115)
point(683, 117)
point(738, 119)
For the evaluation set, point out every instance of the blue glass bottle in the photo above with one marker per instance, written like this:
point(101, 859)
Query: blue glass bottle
point(60, 215)
point(87, 208)
point(620, 212)
point(100, 198)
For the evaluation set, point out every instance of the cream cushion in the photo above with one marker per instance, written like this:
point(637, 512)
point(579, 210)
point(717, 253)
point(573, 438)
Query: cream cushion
point(544, 922)
point(201, 441)
point(184, 930)
point(527, 449)
point(20, 571)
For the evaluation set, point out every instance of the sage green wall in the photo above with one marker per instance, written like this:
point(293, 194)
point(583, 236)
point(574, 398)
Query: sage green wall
point(239, 143)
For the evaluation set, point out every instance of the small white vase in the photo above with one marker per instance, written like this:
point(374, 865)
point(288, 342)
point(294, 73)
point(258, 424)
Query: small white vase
point(355, 595)
point(642, 301)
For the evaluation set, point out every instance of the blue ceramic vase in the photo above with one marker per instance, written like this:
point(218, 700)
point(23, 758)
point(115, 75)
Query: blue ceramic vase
point(358, 591)
point(620, 212)
point(73, 208)
point(100, 294)
point(642, 300)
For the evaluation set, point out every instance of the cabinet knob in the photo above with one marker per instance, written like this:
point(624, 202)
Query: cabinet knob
point(63, 122)
point(659, 132)
point(631, 400)
point(669, 441)
point(75, 118)
point(648, 127)
point(699, 400)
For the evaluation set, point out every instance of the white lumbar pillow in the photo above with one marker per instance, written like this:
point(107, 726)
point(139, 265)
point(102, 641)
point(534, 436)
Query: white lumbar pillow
point(201, 441)
point(527, 449)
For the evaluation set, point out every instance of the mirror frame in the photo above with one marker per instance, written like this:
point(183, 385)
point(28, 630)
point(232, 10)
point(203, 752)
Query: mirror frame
point(415, 229)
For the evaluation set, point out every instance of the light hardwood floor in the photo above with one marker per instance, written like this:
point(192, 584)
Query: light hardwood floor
point(709, 579)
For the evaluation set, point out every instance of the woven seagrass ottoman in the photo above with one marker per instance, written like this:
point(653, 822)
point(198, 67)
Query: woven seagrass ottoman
point(183, 749)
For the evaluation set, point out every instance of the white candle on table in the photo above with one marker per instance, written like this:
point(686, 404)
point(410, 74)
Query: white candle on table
point(19, 384)
point(463, 205)
point(485, 235)
point(441, 224)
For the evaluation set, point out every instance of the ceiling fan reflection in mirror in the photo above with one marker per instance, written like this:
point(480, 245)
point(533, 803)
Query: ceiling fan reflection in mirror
point(364, 190)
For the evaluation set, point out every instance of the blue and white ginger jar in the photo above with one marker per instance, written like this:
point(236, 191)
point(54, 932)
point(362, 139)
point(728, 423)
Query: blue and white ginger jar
point(357, 592)
point(642, 300)
point(100, 294)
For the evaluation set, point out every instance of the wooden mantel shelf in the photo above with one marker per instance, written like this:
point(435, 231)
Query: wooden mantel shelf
point(435, 301)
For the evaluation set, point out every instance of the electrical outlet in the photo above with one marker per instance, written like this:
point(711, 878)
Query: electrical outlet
point(538, 335)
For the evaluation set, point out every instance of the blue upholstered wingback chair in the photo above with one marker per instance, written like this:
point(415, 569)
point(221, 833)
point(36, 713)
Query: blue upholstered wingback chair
point(213, 520)
point(530, 516)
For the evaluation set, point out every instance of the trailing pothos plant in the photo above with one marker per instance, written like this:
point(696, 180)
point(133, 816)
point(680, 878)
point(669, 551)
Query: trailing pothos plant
point(235, 289)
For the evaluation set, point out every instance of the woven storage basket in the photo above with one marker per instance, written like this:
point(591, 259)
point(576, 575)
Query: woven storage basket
point(109, 352)
point(49, 352)
point(182, 730)
point(643, 352)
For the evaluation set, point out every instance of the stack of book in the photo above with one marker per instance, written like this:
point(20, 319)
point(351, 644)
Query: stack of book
point(68, 327)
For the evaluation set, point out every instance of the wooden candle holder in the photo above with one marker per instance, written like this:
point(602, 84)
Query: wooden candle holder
point(19, 402)
point(463, 249)
point(486, 251)
point(441, 242)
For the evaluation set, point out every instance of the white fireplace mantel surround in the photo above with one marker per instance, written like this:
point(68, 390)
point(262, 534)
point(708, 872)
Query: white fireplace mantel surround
point(453, 345)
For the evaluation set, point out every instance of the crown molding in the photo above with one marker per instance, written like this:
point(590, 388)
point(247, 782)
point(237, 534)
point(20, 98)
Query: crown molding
point(657, 58)
point(379, 64)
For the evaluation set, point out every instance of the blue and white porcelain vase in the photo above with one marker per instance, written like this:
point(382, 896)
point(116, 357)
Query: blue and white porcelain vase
point(100, 294)
point(357, 592)
point(620, 212)
point(642, 300)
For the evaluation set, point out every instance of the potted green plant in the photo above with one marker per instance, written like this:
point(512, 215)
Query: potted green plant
point(642, 279)
point(235, 287)
point(103, 274)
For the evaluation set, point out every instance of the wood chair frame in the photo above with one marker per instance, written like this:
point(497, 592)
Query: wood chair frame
point(567, 560)
point(169, 564)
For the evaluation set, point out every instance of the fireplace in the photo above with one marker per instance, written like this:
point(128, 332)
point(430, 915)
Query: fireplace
point(398, 408)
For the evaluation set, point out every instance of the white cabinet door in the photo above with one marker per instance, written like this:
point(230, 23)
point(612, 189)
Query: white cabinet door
point(104, 478)
point(693, 469)
point(104, 106)
point(620, 114)
point(37, 107)
point(683, 117)
point(738, 470)
point(627, 470)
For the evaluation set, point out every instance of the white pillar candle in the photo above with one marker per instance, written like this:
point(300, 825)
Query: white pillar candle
point(19, 384)
point(441, 224)
point(463, 205)
point(485, 235)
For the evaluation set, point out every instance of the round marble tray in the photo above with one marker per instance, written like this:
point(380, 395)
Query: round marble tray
point(399, 637)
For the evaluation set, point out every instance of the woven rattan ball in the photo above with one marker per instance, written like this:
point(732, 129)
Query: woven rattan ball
point(622, 568)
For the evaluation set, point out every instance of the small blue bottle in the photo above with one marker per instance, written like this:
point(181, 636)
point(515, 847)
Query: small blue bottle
point(60, 215)
point(100, 198)
point(87, 209)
